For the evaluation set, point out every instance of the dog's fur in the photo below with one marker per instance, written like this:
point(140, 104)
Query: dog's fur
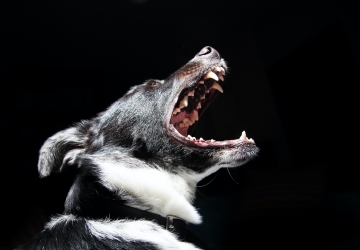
point(132, 154)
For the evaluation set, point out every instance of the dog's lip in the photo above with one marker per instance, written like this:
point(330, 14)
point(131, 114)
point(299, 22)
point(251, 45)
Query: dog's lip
point(209, 143)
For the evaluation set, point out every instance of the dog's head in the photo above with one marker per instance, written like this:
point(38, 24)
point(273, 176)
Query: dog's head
point(153, 122)
point(150, 128)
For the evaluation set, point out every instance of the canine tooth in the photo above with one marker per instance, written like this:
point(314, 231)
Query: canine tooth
point(217, 69)
point(217, 87)
point(211, 75)
point(201, 139)
point(251, 140)
point(191, 93)
point(221, 77)
point(243, 136)
point(184, 102)
point(222, 71)
point(198, 106)
point(177, 110)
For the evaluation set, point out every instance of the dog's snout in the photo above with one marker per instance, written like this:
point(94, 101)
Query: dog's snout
point(208, 52)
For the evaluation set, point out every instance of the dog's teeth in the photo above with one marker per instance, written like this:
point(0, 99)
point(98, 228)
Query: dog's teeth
point(217, 69)
point(201, 82)
point(217, 87)
point(184, 102)
point(222, 71)
point(212, 140)
point(191, 93)
point(195, 115)
point(251, 140)
point(211, 75)
point(187, 122)
point(190, 137)
point(243, 136)
point(221, 77)
point(201, 139)
point(198, 106)
point(177, 110)
point(203, 97)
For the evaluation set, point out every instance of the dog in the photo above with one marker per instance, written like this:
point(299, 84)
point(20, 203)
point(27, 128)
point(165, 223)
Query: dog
point(138, 166)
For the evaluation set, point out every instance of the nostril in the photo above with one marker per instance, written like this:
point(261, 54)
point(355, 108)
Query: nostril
point(208, 53)
point(204, 51)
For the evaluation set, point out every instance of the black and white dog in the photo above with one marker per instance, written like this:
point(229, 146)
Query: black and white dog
point(138, 165)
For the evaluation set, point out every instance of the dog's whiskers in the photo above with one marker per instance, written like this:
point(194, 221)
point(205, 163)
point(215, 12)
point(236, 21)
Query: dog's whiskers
point(231, 176)
point(208, 182)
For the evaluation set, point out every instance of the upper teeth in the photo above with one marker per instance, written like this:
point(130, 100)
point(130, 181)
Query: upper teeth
point(220, 70)
point(195, 115)
point(183, 102)
point(209, 75)
point(204, 86)
point(177, 110)
point(212, 75)
point(217, 87)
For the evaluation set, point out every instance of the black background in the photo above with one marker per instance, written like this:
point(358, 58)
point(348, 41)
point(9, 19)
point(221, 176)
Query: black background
point(294, 67)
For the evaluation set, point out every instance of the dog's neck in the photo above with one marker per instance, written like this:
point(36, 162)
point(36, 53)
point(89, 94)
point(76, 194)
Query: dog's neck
point(136, 184)
point(170, 194)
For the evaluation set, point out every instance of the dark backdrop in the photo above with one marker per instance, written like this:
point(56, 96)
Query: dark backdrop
point(294, 67)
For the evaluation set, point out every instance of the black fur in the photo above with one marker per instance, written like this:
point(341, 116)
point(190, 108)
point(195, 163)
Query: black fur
point(76, 235)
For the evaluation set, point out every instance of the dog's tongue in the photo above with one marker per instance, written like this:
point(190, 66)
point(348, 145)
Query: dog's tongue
point(183, 120)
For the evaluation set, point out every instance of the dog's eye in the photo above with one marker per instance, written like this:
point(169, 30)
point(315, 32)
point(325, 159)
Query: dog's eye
point(153, 83)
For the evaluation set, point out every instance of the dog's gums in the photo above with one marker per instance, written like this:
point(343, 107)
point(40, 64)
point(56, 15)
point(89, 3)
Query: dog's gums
point(191, 104)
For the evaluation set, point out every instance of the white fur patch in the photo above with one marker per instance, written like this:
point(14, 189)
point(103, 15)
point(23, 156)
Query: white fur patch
point(63, 218)
point(128, 231)
point(137, 231)
point(165, 193)
point(199, 176)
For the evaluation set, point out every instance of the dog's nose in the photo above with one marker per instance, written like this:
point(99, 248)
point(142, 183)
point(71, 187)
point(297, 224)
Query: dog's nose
point(208, 52)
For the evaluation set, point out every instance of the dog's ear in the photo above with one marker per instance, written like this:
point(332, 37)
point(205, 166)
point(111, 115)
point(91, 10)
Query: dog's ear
point(62, 149)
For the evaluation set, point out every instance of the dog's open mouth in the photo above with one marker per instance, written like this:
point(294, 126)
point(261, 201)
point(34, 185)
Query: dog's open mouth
point(191, 103)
